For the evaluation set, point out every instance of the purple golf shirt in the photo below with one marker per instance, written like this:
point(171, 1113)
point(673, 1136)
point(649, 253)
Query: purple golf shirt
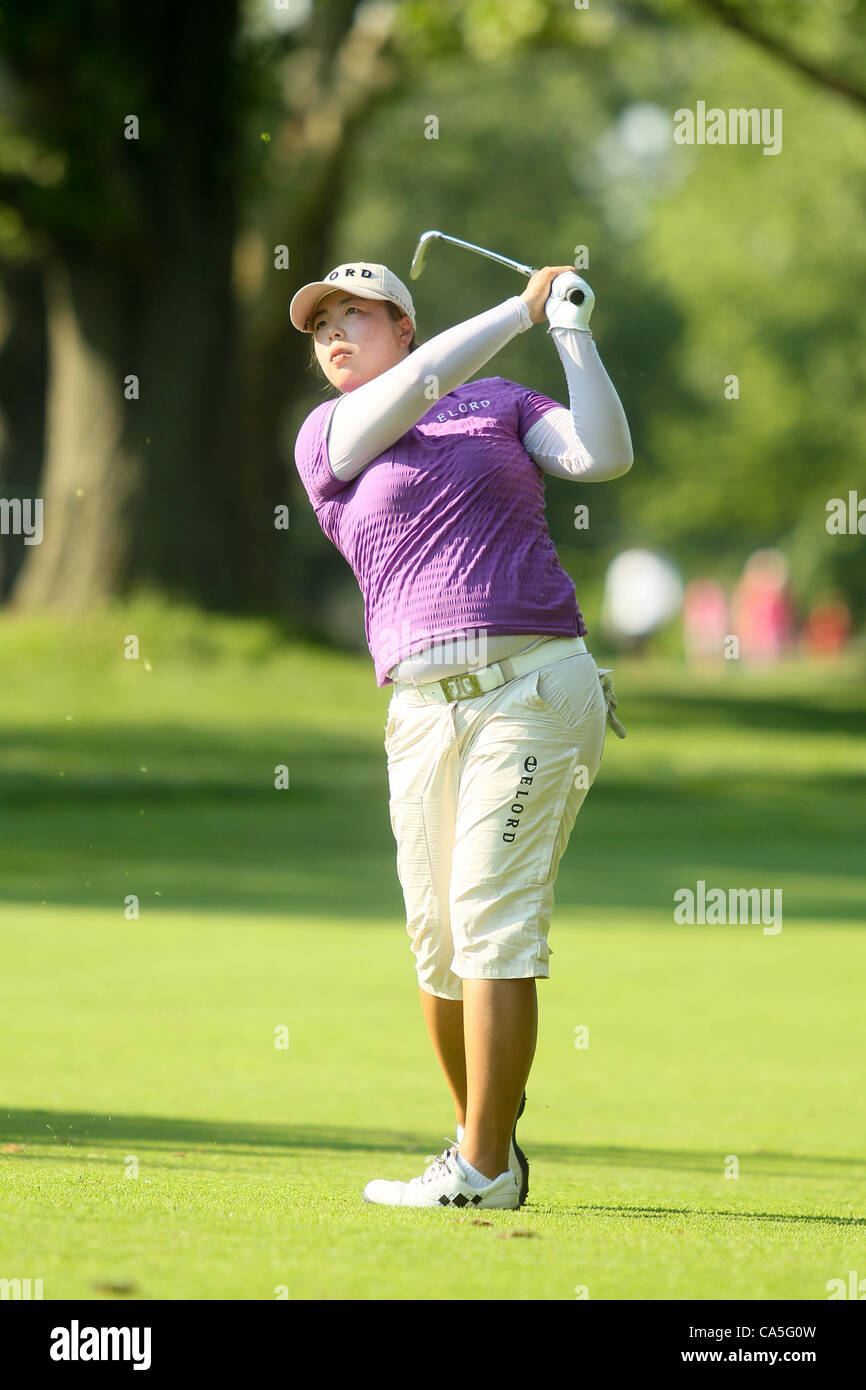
point(445, 530)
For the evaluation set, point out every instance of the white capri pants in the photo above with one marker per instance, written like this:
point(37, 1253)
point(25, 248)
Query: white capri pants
point(484, 793)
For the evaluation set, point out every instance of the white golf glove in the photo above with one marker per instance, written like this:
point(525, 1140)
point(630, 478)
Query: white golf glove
point(605, 674)
point(561, 312)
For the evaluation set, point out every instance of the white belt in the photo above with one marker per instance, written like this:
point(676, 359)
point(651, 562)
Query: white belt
point(469, 684)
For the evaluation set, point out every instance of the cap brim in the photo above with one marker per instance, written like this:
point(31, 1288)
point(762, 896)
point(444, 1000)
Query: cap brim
point(308, 296)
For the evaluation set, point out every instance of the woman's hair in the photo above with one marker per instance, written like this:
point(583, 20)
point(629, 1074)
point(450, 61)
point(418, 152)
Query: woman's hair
point(395, 313)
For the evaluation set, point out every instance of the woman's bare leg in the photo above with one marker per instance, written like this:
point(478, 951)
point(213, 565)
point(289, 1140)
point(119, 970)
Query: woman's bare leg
point(486, 1043)
point(500, 1028)
point(444, 1019)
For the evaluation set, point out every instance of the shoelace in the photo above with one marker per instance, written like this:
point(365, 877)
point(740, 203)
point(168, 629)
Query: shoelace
point(441, 1165)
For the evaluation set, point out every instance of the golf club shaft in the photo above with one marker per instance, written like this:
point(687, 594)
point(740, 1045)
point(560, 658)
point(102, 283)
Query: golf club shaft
point(419, 260)
point(526, 270)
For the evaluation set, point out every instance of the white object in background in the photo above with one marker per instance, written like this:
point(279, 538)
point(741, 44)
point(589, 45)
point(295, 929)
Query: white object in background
point(642, 592)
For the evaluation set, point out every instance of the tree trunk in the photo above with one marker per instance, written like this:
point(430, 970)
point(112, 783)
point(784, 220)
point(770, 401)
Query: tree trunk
point(23, 381)
point(146, 491)
point(138, 491)
point(89, 471)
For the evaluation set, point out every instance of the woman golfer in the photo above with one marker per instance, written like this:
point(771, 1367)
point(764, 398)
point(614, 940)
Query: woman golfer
point(432, 489)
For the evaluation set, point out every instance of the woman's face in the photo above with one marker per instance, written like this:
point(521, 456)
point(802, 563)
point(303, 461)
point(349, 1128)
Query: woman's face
point(356, 339)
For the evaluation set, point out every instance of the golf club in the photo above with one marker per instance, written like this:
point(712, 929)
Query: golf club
point(422, 252)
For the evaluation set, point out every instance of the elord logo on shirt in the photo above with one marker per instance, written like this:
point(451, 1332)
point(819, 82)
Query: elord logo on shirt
point(529, 765)
point(463, 409)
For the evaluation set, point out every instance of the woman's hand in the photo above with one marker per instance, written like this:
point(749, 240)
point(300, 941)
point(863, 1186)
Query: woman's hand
point(537, 292)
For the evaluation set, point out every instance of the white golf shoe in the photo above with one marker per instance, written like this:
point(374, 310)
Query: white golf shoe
point(443, 1184)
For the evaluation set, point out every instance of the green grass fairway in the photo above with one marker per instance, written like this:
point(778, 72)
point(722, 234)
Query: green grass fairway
point(155, 1143)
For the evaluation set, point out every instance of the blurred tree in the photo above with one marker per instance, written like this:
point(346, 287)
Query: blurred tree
point(824, 42)
point(126, 145)
point(119, 162)
point(23, 377)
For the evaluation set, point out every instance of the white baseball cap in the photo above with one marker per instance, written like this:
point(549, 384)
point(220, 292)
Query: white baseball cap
point(364, 278)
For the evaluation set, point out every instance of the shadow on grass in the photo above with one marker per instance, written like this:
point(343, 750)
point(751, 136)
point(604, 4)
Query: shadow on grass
point(817, 1219)
point(71, 1129)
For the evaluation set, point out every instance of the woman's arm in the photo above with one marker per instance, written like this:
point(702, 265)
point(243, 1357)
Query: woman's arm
point(590, 442)
point(368, 420)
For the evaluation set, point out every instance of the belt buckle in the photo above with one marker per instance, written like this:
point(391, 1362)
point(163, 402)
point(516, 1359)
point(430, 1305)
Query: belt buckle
point(464, 686)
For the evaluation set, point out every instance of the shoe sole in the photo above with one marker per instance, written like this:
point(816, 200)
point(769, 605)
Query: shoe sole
point(523, 1181)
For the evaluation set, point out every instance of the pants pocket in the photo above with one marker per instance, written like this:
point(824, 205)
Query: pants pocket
point(568, 690)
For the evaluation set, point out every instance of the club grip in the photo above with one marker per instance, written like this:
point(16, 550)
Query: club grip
point(575, 296)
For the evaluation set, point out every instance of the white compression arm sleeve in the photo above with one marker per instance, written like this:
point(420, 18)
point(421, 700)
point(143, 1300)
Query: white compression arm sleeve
point(369, 419)
point(589, 442)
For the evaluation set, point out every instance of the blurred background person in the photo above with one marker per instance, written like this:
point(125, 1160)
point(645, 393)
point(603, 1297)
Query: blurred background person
point(762, 614)
point(827, 628)
point(705, 621)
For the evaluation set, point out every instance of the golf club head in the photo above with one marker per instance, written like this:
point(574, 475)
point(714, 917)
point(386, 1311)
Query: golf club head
point(422, 251)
